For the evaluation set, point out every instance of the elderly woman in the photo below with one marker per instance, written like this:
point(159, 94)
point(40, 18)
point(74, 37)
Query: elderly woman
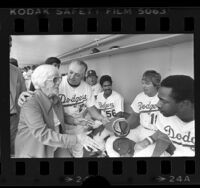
point(42, 120)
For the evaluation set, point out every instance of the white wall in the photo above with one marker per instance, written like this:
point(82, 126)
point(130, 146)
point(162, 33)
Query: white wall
point(126, 69)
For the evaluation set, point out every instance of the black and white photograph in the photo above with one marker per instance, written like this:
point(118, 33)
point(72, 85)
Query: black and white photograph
point(102, 96)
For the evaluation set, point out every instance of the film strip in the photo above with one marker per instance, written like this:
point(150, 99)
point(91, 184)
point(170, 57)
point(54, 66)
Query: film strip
point(102, 171)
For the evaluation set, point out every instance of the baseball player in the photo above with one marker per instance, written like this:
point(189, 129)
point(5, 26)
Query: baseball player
point(76, 97)
point(109, 102)
point(91, 79)
point(176, 118)
point(145, 111)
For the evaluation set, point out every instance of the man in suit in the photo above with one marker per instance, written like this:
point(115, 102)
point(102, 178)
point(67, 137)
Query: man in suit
point(17, 86)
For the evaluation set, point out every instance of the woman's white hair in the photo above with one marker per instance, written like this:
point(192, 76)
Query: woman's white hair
point(43, 73)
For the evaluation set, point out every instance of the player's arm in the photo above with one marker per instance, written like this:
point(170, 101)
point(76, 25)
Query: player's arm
point(68, 119)
point(96, 115)
point(119, 104)
point(150, 140)
point(133, 120)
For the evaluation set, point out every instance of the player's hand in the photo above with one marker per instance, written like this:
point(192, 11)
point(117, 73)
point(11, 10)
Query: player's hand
point(88, 142)
point(141, 145)
point(24, 96)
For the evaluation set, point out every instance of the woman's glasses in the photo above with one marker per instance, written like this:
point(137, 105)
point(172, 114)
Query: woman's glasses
point(56, 79)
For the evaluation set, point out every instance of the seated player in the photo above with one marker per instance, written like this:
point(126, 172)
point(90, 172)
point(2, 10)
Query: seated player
point(144, 115)
point(175, 121)
point(109, 102)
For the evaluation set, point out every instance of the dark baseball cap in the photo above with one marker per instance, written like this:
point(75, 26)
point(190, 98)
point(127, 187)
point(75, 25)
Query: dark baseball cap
point(91, 73)
point(120, 127)
point(124, 146)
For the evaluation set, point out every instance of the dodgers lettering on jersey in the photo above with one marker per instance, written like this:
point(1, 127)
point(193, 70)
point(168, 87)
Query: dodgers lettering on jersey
point(180, 133)
point(72, 101)
point(75, 100)
point(108, 110)
point(146, 107)
point(78, 103)
point(184, 139)
point(110, 106)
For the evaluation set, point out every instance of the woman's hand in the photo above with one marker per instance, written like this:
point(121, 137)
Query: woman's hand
point(24, 96)
point(88, 142)
point(84, 122)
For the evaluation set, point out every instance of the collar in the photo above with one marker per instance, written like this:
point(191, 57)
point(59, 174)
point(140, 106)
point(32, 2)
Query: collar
point(46, 102)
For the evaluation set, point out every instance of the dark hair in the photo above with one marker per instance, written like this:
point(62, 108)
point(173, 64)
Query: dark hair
point(34, 67)
point(182, 87)
point(52, 60)
point(105, 78)
point(14, 62)
point(154, 76)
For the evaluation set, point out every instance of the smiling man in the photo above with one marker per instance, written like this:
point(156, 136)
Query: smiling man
point(109, 102)
point(144, 115)
point(76, 97)
point(176, 118)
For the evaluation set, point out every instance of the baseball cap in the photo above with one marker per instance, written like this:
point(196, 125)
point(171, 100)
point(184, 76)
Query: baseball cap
point(124, 146)
point(120, 127)
point(95, 50)
point(91, 73)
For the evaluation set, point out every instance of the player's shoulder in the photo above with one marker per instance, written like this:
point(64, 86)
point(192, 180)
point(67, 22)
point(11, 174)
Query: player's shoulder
point(100, 95)
point(85, 84)
point(140, 96)
point(116, 94)
point(98, 85)
point(64, 79)
point(63, 83)
point(168, 120)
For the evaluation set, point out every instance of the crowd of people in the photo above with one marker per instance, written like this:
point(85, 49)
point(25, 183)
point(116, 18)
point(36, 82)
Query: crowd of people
point(79, 115)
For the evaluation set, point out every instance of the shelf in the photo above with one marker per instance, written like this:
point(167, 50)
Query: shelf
point(169, 40)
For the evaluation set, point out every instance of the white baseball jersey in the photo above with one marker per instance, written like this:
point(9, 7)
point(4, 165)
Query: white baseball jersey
point(111, 105)
point(181, 134)
point(75, 100)
point(96, 89)
point(146, 107)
